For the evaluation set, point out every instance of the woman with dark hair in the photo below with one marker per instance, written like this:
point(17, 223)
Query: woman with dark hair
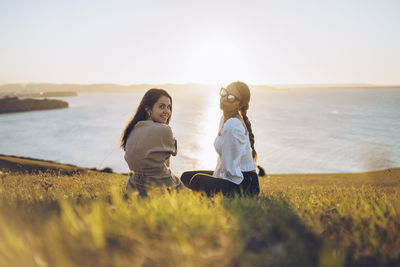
point(236, 168)
point(148, 143)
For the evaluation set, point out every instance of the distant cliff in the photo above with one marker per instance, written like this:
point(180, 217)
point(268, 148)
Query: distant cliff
point(13, 104)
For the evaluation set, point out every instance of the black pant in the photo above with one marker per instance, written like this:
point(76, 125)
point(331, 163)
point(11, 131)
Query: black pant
point(204, 181)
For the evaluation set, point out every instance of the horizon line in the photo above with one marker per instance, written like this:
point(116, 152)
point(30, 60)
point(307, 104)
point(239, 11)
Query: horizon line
point(200, 83)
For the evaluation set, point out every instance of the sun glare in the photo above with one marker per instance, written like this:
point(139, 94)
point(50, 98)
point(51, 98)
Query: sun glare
point(218, 61)
point(207, 157)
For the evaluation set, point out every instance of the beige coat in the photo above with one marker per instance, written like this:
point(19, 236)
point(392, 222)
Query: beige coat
point(147, 147)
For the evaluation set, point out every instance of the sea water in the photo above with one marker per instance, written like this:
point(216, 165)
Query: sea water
point(296, 130)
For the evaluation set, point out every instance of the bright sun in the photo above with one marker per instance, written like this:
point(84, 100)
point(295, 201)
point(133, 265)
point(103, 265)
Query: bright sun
point(217, 61)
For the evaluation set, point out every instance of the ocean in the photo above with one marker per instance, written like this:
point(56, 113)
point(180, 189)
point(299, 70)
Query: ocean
point(296, 130)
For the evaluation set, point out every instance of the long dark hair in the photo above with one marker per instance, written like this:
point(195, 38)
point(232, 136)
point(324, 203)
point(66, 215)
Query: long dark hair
point(244, 102)
point(149, 99)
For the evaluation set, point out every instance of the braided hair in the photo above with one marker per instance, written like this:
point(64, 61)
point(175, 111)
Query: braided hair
point(244, 106)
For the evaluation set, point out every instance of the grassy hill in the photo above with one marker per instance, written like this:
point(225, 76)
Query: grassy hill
point(23, 164)
point(85, 218)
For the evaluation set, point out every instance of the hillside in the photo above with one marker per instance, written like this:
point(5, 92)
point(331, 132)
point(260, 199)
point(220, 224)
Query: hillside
point(14, 104)
point(88, 219)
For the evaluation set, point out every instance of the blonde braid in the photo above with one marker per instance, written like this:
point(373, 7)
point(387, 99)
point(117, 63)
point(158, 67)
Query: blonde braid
point(243, 113)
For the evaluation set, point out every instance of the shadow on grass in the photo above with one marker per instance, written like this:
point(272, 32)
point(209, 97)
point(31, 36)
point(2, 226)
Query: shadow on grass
point(272, 234)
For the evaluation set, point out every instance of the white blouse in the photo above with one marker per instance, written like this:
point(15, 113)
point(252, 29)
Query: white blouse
point(234, 151)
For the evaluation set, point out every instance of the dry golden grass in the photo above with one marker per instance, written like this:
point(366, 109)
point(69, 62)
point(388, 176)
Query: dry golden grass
point(88, 219)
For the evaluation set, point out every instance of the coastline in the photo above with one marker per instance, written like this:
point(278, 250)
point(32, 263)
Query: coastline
point(385, 177)
point(37, 88)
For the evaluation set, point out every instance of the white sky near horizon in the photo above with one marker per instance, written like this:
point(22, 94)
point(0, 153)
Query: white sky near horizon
point(172, 41)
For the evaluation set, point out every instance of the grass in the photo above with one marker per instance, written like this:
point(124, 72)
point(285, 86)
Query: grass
point(87, 219)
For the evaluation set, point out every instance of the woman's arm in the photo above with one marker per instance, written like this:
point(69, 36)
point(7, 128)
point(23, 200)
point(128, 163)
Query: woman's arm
point(168, 141)
point(168, 144)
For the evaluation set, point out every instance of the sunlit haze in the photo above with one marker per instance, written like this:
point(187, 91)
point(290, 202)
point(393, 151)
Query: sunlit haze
point(259, 42)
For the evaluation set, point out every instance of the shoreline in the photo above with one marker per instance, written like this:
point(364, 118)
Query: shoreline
point(37, 88)
point(31, 165)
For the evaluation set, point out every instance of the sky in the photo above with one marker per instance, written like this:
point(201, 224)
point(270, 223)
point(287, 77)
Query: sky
point(209, 41)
